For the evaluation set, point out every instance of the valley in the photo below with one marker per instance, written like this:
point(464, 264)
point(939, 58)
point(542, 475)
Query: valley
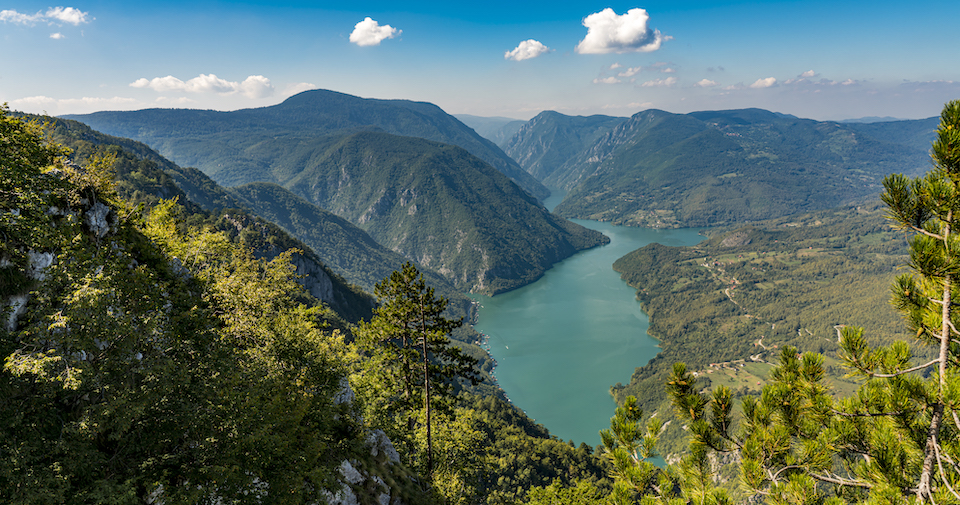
point(732, 241)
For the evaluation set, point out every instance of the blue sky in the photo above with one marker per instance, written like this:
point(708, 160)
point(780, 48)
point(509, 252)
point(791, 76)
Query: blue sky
point(818, 59)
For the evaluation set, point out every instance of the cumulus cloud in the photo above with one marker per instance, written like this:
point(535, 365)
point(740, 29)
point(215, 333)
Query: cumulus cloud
point(53, 15)
point(369, 33)
point(764, 83)
point(57, 36)
point(255, 86)
point(299, 87)
point(660, 83)
point(808, 74)
point(606, 80)
point(68, 15)
point(630, 72)
point(608, 32)
point(707, 83)
point(526, 50)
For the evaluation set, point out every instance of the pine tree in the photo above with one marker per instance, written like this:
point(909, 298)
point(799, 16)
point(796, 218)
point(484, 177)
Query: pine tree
point(898, 437)
point(410, 333)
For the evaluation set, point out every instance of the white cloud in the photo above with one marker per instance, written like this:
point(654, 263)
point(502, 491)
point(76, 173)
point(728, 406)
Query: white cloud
point(45, 104)
point(608, 32)
point(369, 33)
point(526, 50)
point(11, 16)
point(615, 66)
point(255, 86)
point(669, 81)
point(69, 15)
point(630, 72)
point(299, 87)
point(57, 36)
point(54, 15)
point(764, 83)
point(808, 74)
point(707, 83)
point(606, 80)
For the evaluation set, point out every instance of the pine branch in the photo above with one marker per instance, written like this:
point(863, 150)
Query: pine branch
point(943, 475)
point(903, 372)
point(841, 481)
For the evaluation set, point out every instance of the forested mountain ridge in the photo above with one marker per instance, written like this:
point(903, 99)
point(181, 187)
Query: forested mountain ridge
point(439, 205)
point(336, 261)
point(153, 358)
point(547, 145)
point(458, 244)
point(716, 167)
point(245, 401)
point(145, 177)
point(727, 306)
point(225, 145)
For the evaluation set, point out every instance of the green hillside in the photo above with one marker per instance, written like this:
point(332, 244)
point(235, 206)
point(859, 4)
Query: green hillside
point(344, 247)
point(714, 167)
point(224, 145)
point(438, 205)
point(144, 177)
point(550, 145)
point(727, 306)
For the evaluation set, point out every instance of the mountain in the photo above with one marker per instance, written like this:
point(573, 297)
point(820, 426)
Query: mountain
point(225, 145)
point(343, 246)
point(439, 205)
point(549, 143)
point(144, 177)
point(714, 167)
point(495, 129)
point(727, 306)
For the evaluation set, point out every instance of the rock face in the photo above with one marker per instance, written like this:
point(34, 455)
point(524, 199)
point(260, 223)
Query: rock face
point(313, 278)
point(99, 219)
point(360, 481)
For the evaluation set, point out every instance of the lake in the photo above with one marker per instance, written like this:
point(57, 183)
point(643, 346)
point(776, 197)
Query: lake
point(561, 342)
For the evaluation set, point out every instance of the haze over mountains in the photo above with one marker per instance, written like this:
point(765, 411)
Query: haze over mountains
point(425, 186)
point(435, 203)
point(238, 147)
point(713, 167)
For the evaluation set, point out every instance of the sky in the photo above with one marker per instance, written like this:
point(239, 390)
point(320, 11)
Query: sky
point(825, 60)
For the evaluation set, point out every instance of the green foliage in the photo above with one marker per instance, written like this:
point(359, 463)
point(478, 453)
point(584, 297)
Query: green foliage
point(727, 306)
point(896, 439)
point(151, 362)
point(143, 177)
point(417, 368)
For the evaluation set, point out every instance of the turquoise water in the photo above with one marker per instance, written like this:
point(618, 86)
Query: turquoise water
point(561, 342)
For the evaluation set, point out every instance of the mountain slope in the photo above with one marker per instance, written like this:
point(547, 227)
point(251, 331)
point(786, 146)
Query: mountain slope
point(716, 167)
point(440, 206)
point(549, 143)
point(218, 142)
point(343, 246)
